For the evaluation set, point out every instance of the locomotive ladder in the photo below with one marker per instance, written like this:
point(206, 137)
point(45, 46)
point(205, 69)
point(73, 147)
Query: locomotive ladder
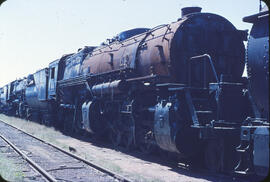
point(244, 165)
point(198, 107)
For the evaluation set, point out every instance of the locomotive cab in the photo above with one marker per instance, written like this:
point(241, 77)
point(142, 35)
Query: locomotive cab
point(53, 76)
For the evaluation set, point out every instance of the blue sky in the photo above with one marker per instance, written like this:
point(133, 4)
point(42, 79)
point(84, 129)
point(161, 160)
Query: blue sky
point(36, 32)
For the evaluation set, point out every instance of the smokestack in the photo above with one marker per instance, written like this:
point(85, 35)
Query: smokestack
point(188, 10)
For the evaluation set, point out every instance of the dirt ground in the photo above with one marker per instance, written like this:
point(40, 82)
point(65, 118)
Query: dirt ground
point(131, 166)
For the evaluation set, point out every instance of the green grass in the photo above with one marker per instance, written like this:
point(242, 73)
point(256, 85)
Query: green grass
point(9, 170)
point(48, 134)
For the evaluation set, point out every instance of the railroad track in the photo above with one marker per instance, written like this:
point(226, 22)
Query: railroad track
point(52, 162)
point(41, 173)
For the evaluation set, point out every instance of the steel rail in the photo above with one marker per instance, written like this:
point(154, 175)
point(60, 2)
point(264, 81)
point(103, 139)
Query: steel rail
point(30, 161)
point(92, 164)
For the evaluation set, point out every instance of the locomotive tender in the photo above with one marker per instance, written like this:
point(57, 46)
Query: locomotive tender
point(178, 87)
point(254, 146)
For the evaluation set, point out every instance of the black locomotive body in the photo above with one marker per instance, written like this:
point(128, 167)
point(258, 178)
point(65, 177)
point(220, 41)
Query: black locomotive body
point(254, 146)
point(12, 96)
point(176, 87)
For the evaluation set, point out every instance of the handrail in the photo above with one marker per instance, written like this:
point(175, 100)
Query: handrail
point(210, 62)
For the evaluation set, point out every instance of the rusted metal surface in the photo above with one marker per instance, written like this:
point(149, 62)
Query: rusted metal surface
point(118, 55)
point(154, 52)
point(167, 49)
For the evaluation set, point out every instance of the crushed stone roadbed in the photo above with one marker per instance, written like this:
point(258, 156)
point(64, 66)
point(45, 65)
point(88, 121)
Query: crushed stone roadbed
point(58, 164)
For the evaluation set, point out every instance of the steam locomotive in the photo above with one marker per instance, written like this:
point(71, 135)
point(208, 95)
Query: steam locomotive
point(177, 87)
